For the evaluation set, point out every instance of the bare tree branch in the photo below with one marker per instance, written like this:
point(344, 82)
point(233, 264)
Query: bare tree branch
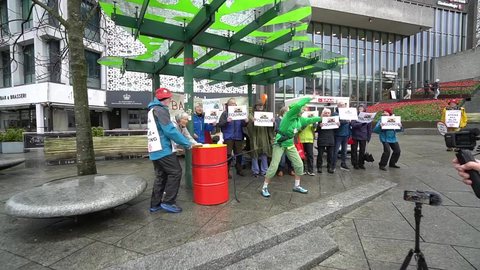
point(52, 12)
point(90, 15)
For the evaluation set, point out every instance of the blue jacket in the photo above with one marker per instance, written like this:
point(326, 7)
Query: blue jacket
point(199, 127)
point(344, 129)
point(231, 130)
point(166, 130)
point(389, 135)
point(277, 124)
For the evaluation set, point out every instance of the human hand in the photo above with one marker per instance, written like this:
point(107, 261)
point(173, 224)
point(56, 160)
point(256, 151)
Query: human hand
point(273, 120)
point(348, 121)
point(321, 124)
point(381, 124)
point(462, 169)
point(400, 125)
point(254, 119)
point(189, 148)
point(195, 136)
point(338, 123)
point(246, 120)
point(214, 123)
point(229, 119)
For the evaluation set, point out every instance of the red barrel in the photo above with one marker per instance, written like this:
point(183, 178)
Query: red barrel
point(210, 184)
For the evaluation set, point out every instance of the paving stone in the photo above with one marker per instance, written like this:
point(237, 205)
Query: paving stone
point(377, 210)
point(301, 252)
point(11, 261)
point(95, 256)
point(377, 265)
point(341, 260)
point(385, 229)
point(470, 215)
point(194, 214)
point(344, 233)
point(464, 198)
point(395, 251)
point(33, 266)
point(472, 255)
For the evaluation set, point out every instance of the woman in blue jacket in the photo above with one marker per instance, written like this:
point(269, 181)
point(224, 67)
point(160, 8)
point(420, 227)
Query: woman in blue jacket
point(199, 126)
point(389, 140)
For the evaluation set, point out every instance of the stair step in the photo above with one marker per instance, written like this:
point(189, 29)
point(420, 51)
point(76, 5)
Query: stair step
point(302, 252)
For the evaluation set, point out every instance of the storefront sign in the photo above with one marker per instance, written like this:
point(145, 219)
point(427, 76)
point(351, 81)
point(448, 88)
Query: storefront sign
point(24, 95)
point(128, 99)
point(14, 96)
point(450, 5)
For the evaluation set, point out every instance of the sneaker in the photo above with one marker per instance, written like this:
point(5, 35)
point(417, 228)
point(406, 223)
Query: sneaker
point(265, 192)
point(155, 209)
point(356, 167)
point(311, 173)
point(394, 166)
point(362, 167)
point(345, 168)
point(331, 170)
point(319, 170)
point(450, 149)
point(255, 175)
point(280, 174)
point(263, 173)
point(292, 173)
point(241, 173)
point(171, 208)
point(300, 190)
point(382, 168)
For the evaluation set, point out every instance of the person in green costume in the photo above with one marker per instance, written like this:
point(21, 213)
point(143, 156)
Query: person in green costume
point(291, 123)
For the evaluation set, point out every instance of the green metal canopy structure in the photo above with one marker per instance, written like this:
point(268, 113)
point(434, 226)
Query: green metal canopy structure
point(243, 42)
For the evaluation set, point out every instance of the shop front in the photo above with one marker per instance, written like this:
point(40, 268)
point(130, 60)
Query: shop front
point(128, 109)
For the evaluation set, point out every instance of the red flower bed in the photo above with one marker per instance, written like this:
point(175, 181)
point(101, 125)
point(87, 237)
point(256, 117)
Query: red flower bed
point(425, 110)
point(454, 88)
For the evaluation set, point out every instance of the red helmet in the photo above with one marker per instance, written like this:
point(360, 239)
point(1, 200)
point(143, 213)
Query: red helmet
point(454, 101)
point(162, 93)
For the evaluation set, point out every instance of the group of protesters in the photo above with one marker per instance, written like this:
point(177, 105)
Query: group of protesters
point(277, 142)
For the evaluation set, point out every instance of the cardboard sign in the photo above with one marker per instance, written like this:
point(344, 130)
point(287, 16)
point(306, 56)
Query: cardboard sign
point(391, 122)
point(212, 104)
point(394, 94)
point(364, 117)
point(263, 119)
point(348, 113)
point(211, 115)
point(237, 112)
point(309, 114)
point(452, 118)
point(442, 128)
point(330, 122)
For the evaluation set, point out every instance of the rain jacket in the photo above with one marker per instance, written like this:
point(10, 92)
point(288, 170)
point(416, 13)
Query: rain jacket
point(389, 135)
point(260, 137)
point(199, 127)
point(291, 123)
point(463, 118)
point(184, 132)
point(166, 130)
point(307, 134)
point(232, 130)
point(344, 129)
point(361, 131)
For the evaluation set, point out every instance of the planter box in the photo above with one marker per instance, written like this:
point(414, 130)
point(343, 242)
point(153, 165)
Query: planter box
point(419, 124)
point(463, 96)
point(11, 147)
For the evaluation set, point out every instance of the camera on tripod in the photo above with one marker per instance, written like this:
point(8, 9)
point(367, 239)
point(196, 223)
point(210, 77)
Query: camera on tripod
point(423, 197)
point(464, 141)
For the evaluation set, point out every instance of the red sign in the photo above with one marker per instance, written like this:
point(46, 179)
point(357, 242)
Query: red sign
point(326, 100)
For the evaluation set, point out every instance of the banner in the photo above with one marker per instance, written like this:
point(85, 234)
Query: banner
point(348, 113)
point(237, 112)
point(212, 115)
point(309, 114)
point(364, 117)
point(263, 119)
point(330, 122)
point(452, 118)
point(391, 122)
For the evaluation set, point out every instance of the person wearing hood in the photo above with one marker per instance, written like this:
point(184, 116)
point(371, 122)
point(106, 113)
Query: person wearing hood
point(233, 136)
point(388, 137)
point(361, 135)
point(162, 135)
point(289, 127)
point(453, 105)
point(426, 89)
point(199, 125)
point(341, 139)
point(260, 138)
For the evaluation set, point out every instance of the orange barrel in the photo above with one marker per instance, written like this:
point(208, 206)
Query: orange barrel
point(210, 184)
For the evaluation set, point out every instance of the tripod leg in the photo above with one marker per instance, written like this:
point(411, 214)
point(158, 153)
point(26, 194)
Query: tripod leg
point(421, 263)
point(407, 260)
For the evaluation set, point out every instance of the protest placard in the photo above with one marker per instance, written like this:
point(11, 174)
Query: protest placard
point(211, 115)
point(330, 122)
point(391, 122)
point(211, 104)
point(237, 112)
point(364, 117)
point(263, 119)
point(452, 118)
point(309, 114)
point(348, 113)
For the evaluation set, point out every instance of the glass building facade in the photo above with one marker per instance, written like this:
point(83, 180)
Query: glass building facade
point(378, 62)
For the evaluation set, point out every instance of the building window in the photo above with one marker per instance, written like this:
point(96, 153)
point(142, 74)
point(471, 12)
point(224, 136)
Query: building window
point(26, 6)
point(29, 64)
point(92, 29)
point(279, 90)
point(4, 18)
point(6, 69)
point(93, 69)
point(137, 119)
point(55, 60)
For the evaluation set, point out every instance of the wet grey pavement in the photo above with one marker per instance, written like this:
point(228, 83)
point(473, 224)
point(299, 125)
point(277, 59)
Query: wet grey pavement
point(375, 236)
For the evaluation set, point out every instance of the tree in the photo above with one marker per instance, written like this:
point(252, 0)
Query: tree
point(74, 27)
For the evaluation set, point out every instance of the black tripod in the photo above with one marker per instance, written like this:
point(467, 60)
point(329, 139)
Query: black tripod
point(421, 263)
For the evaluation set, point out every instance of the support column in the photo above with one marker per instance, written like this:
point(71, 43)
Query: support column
point(250, 95)
point(39, 113)
point(155, 83)
point(188, 86)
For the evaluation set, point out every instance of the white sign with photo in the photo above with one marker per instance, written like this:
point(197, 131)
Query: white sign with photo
point(212, 104)
point(309, 114)
point(391, 122)
point(330, 122)
point(237, 112)
point(394, 94)
point(364, 117)
point(348, 113)
point(263, 119)
point(452, 118)
point(211, 115)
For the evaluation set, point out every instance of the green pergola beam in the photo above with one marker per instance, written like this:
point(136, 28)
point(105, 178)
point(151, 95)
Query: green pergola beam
point(264, 64)
point(201, 73)
point(279, 41)
point(141, 16)
point(150, 27)
point(206, 57)
point(308, 73)
point(230, 64)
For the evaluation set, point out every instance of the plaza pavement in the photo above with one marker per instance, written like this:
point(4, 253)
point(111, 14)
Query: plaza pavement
point(375, 236)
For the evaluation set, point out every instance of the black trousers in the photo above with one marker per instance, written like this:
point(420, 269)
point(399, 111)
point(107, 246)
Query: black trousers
point(358, 157)
point(236, 146)
point(308, 148)
point(321, 150)
point(386, 154)
point(168, 174)
point(426, 93)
